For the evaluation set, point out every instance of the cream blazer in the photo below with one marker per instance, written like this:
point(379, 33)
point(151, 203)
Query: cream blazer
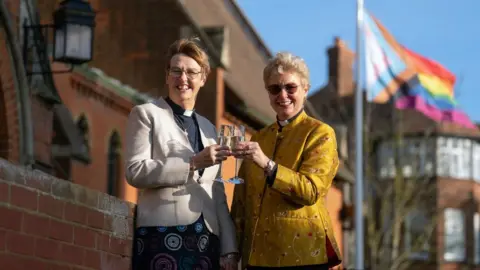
point(157, 163)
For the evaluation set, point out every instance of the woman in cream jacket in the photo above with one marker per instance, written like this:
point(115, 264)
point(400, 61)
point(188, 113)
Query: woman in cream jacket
point(172, 157)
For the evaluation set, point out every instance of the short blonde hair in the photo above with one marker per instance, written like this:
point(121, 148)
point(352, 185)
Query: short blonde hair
point(287, 62)
point(190, 48)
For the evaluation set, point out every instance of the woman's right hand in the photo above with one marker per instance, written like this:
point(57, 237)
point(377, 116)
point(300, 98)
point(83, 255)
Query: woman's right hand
point(210, 155)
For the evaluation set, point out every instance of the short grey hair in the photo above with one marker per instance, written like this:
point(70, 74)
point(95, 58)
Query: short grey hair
point(287, 62)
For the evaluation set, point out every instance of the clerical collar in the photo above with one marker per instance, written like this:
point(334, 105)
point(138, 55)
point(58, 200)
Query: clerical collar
point(177, 109)
point(283, 123)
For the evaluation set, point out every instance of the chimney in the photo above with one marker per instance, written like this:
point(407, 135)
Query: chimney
point(340, 68)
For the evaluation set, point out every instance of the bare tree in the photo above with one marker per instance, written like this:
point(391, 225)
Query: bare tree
point(401, 212)
point(400, 187)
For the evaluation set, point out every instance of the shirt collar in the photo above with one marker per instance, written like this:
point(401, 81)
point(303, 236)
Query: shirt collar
point(283, 123)
point(177, 109)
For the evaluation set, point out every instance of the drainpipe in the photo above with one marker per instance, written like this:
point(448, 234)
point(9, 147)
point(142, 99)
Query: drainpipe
point(21, 88)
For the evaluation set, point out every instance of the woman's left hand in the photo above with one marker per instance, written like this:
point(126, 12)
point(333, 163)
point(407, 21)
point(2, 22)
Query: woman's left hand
point(251, 150)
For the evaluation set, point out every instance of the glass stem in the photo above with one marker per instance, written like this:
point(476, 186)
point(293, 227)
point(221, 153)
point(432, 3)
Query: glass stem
point(236, 165)
point(221, 171)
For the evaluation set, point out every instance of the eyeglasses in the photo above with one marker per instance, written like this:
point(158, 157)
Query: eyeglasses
point(275, 89)
point(177, 72)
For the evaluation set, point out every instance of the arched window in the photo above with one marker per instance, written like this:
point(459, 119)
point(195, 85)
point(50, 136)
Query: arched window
point(82, 125)
point(61, 151)
point(113, 177)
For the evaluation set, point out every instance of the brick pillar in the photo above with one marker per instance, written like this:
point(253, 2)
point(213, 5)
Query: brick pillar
point(220, 96)
point(9, 122)
point(210, 96)
point(340, 72)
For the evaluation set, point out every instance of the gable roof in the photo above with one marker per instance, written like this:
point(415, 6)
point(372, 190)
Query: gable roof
point(249, 29)
point(248, 54)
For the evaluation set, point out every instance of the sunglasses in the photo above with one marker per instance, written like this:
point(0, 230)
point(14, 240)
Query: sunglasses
point(275, 89)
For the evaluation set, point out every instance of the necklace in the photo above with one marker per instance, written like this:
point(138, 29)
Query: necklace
point(181, 122)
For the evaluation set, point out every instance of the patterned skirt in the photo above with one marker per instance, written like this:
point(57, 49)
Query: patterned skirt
point(190, 247)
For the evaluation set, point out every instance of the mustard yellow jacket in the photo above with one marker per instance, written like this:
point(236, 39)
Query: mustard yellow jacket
point(287, 224)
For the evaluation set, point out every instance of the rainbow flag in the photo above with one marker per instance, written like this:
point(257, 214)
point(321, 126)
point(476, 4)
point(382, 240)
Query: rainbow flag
point(412, 81)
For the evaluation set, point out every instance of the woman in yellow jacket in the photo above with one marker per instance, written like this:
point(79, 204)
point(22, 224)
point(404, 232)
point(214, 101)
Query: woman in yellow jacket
point(280, 213)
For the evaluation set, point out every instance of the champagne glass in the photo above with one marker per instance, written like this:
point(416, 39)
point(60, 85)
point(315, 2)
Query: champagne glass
point(223, 139)
point(238, 136)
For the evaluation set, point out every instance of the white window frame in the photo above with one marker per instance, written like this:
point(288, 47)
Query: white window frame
point(476, 238)
point(454, 244)
point(454, 158)
point(476, 161)
point(465, 148)
point(442, 157)
point(454, 149)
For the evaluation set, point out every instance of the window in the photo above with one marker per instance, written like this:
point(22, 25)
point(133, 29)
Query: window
point(416, 239)
point(455, 153)
point(454, 235)
point(114, 164)
point(476, 234)
point(416, 156)
point(447, 157)
point(443, 162)
point(61, 151)
point(385, 160)
point(82, 125)
point(410, 162)
point(429, 146)
point(454, 158)
point(476, 161)
point(465, 151)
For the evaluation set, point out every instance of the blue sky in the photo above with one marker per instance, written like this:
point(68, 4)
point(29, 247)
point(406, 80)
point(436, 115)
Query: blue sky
point(444, 30)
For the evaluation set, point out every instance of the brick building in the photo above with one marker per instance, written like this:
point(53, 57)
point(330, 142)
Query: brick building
point(444, 153)
point(78, 122)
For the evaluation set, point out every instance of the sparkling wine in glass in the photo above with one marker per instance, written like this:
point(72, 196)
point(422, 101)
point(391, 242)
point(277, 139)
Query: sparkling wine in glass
point(238, 136)
point(224, 139)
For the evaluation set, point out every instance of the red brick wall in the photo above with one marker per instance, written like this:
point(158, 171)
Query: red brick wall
point(106, 112)
point(48, 223)
point(42, 121)
point(131, 39)
point(9, 125)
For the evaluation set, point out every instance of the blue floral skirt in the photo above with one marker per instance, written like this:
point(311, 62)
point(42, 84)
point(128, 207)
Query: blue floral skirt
point(190, 247)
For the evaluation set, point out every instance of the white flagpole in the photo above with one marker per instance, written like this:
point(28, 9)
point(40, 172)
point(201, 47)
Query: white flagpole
point(359, 231)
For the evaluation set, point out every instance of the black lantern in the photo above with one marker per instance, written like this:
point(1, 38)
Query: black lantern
point(74, 22)
point(73, 26)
